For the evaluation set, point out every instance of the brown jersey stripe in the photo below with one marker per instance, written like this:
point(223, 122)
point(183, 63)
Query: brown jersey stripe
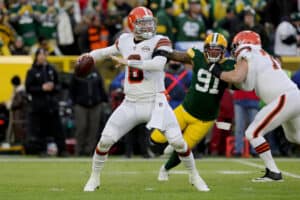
point(163, 42)
point(240, 50)
point(269, 117)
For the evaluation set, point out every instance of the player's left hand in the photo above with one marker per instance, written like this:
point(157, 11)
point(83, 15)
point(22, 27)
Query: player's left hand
point(120, 62)
point(215, 69)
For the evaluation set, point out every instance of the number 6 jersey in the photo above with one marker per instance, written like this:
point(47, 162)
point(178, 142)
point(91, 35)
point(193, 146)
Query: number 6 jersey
point(140, 83)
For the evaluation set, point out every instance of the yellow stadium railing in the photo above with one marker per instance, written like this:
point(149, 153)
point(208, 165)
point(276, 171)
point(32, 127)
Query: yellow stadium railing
point(18, 65)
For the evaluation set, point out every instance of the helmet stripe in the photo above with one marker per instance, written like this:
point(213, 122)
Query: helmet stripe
point(215, 38)
point(146, 11)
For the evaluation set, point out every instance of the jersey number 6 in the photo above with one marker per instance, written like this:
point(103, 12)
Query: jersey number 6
point(135, 75)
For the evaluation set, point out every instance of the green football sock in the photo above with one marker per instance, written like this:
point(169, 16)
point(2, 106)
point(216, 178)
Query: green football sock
point(173, 161)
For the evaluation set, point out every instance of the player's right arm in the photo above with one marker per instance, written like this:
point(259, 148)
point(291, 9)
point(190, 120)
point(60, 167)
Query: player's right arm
point(101, 54)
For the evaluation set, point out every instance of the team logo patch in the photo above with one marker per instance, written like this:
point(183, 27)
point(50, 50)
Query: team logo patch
point(146, 48)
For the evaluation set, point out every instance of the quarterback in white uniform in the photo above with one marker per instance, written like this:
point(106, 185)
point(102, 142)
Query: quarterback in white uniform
point(257, 70)
point(145, 100)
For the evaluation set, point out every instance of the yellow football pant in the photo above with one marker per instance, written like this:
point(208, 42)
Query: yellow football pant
point(192, 128)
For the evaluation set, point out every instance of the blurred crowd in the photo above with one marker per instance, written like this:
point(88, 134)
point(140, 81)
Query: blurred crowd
point(72, 27)
point(80, 106)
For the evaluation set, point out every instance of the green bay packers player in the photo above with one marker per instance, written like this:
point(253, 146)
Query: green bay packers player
point(200, 107)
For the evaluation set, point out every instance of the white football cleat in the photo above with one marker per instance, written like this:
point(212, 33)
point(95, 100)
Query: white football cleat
point(92, 184)
point(163, 174)
point(198, 182)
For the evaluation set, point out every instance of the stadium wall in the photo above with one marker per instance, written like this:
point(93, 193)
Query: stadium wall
point(18, 65)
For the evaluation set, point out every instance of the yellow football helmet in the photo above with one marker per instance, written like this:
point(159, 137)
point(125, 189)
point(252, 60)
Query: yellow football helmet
point(215, 46)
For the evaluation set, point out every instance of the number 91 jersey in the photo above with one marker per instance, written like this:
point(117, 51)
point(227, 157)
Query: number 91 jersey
point(142, 84)
point(204, 95)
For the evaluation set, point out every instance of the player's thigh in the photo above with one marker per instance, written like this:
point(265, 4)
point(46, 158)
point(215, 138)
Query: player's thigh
point(122, 120)
point(196, 131)
point(271, 116)
point(180, 115)
point(159, 137)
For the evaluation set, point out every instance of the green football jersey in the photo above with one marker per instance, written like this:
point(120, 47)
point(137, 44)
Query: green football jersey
point(204, 95)
point(189, 29)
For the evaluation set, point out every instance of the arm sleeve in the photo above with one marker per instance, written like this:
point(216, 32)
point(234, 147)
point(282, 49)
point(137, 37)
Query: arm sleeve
point(155, 64)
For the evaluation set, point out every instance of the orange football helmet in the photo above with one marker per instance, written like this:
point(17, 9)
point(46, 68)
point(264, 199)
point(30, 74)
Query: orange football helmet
point(141, 22)
point(245, 37)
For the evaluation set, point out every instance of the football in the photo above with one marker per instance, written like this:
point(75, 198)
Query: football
point(84, 65)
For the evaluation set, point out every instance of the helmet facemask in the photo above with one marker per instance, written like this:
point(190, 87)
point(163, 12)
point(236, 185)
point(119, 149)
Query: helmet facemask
point(145, 28)
point(214, 53)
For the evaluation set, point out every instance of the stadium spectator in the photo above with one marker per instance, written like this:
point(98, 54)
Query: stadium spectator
point(177, 80)
point(66, 37)
point(190, 26)
point(7, 34)
point(22, 19)
point(246, 106)
point(88, 95)
point(18, 47)
point(114, 21)
point(287, 36)
point(219, 133)
point(249, 23)
point(165, 24)
point(44, 122)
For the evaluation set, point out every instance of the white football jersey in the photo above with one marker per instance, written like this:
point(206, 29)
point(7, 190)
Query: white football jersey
point(264, 75)
point(142, 84)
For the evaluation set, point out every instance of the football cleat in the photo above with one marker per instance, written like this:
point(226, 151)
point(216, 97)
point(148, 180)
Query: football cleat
point(269, 176)
point(198, 182)
point(92, 184)
point(163, 174)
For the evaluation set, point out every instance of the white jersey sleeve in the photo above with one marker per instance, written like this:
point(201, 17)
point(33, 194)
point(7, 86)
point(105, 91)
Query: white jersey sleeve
point(100, 54)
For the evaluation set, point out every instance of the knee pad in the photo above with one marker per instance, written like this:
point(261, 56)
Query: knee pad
point(105, 143)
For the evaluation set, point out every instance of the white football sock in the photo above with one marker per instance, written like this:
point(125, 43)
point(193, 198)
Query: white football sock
point(98, 164)
point(265, 156)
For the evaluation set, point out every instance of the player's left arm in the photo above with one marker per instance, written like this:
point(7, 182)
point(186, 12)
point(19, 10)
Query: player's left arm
point(237, 75)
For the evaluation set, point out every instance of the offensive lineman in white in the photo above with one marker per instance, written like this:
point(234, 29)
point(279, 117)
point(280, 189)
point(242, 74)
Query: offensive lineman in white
point(144, 94)
point(256, 69)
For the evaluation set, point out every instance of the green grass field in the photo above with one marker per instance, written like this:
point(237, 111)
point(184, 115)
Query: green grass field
point(129, 179)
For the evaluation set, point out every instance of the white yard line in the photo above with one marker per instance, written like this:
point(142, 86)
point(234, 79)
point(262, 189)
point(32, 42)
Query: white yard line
point(248, 163)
